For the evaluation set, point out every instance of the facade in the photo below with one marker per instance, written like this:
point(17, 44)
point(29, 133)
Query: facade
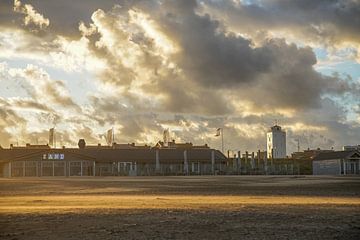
point(116, 160)
point(337, 163)
point(276, 143)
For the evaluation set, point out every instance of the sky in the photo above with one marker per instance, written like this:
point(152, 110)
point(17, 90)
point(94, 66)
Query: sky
point(191, 66)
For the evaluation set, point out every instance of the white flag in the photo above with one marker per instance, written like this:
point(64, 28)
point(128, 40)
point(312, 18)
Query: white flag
point(109, 137)
point(166, 136)
point(51, 136)
point(218, 132)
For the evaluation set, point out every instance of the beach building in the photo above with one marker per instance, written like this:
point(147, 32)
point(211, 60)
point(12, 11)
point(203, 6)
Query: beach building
point(337, 163)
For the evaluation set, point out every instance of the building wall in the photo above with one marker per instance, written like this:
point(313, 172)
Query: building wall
point(276, 144)
point(327, 167)
point(5, 170)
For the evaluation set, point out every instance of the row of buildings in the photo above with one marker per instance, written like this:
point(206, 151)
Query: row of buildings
point(173, 158)
point(318, 161)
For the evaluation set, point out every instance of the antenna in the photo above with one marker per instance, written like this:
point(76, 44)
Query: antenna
point(54, 137)
point(298, 144)
point(276, 122)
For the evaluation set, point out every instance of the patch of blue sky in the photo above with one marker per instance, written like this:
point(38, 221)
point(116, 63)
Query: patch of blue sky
point(12, 87)
point(340, 64)
point(79, 84)
point(321, 53)
point(343, 68)
point(347, 103)
point(251, 2)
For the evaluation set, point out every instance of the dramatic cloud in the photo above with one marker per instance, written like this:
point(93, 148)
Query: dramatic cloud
point(42, 88)
point(330, 23)
point(31, 15)
point(205, 59)
point(190, 66)
point(8, 119)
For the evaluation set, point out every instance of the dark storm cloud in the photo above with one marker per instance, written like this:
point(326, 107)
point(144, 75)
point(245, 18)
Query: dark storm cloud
point(64, 15)
point(323, 20)
point(213, 66)
point(275, 73)
point(214, 62)
point(6, 12)
point(181, 95)
point(332, 117)
point(211, 58)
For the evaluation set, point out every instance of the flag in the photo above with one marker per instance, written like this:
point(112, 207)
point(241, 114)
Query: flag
point(109, 137)
point(218, 132)
point(166, 136)
point(51, 136)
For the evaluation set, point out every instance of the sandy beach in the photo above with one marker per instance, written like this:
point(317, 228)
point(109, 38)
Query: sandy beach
point(205, 207)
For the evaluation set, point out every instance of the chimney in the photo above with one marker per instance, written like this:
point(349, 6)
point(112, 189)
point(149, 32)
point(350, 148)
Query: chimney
point(82, 143)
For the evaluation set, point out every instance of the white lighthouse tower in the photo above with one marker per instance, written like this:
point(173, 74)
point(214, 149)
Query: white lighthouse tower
point(276, 142)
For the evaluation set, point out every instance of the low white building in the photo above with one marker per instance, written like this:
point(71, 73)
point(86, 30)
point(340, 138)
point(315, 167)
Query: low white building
point(276, 142)
point(337, 163)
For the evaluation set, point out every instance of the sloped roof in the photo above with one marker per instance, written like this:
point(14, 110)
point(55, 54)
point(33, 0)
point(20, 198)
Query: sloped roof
point(335, 155)
point(141, 155)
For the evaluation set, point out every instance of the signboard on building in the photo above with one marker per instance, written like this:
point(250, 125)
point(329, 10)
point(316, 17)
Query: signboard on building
point(53, 156)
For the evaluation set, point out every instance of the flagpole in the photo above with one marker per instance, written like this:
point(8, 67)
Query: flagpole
point(222, 140)
point(113, 137)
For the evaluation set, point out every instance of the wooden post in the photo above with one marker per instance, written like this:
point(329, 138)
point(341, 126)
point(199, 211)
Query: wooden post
point(246, 160)
point(81, 168)
point(94, 169)
point(252, 160)
point(186, 165)
point(10, 170)
point(239, 162)
point(213, 162)
point(265, 163)
point(157, 163)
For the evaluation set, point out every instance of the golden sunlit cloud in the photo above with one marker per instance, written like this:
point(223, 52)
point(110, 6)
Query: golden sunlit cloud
point(150, 28)
point(31, 15)
point(146, 66)
point(301, 127)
